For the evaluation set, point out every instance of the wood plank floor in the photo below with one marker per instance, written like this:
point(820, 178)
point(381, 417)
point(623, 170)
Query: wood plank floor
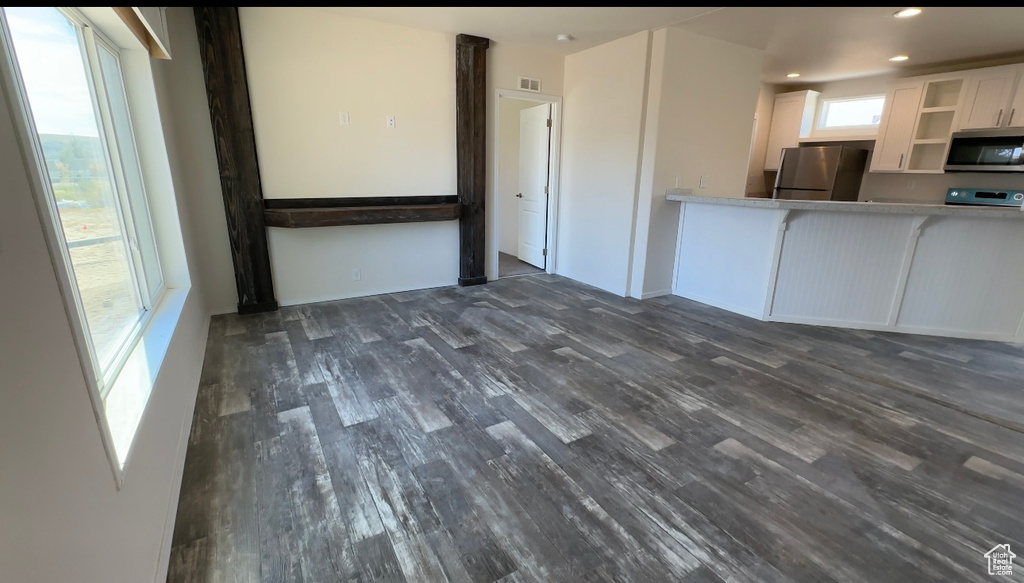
point(509, 265)
point(536, 429)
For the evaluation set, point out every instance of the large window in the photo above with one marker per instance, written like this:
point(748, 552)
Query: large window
point(72, 83)
point(852, 113)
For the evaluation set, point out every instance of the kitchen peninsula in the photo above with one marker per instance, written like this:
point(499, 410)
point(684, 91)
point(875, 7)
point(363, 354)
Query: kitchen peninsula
point(917, 268)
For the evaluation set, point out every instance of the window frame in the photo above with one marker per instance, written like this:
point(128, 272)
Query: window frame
point(163, 306)
point(821, 128)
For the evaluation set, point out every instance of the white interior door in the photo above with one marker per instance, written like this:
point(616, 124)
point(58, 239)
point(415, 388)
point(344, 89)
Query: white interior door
point(534, 142)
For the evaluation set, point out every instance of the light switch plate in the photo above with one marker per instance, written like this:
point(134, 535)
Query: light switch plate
point(703, 181)
point(343, 118)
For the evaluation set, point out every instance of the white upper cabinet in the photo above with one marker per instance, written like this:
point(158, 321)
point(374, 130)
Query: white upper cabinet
point(1015, 119)
point(892, 148)
point(792, 119)
point(988, 100)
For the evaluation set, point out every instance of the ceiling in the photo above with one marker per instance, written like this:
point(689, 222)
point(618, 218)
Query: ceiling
point(822, 44)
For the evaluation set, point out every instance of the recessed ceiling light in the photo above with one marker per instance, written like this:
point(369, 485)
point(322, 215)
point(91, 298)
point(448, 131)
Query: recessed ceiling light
point(907, 12)
point(791, 75)
point(564, 38)
point(899, 58)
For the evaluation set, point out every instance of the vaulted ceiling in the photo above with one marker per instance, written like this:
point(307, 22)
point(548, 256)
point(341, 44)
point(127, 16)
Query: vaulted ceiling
point(822, 44)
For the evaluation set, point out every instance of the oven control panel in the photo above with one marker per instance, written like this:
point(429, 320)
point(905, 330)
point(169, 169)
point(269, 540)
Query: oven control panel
point(984, 197)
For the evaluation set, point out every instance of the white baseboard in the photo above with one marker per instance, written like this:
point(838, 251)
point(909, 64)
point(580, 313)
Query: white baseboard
point(757, 314)
point(655, 294)
point(303, 300)
point(164, 560)
point(877, 327)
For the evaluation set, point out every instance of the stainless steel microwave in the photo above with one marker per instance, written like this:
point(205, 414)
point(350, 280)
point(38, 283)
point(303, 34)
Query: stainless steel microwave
point(986, 151)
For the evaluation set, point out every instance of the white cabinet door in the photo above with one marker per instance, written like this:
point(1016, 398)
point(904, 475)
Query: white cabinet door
point(791, 120)
point(988, 100)
point(893, 145)
point(1015, 119)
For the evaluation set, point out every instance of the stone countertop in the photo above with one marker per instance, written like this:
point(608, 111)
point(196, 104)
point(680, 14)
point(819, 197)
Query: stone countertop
point(853, 207)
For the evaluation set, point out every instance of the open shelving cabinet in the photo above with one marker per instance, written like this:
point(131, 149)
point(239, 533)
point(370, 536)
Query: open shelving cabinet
point(936, 120)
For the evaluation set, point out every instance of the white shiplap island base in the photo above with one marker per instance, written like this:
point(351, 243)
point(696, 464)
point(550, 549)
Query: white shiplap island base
point(916, 268)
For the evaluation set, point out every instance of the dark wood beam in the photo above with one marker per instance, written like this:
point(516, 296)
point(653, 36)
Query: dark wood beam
point(220, 49)
point(298, 218)
point(353, 201)
point(471, 148)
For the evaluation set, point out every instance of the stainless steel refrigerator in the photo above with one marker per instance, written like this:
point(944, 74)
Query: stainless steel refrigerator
point(820, 173)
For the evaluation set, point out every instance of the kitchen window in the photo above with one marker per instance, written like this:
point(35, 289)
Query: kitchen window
point(71, 93)
point(863, 112)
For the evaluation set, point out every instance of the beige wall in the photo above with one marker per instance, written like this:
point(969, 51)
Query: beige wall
point(931, 188)
point(506, 62)
point(304, 66)
point(601, 146)
point(62, 517)
point(702, 129)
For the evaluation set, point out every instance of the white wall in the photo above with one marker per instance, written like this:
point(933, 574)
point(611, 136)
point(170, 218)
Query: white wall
point(315, 265)
point(756, 184)
point(703, 129)
point(508, 173)
point(304, 67)
point(726, 256)
point(189, 136)
point(62, 515)
point(601, 146)
point(505, 64)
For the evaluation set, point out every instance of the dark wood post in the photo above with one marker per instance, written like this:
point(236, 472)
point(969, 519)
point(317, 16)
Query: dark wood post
point(220, 49)
point(471, 146)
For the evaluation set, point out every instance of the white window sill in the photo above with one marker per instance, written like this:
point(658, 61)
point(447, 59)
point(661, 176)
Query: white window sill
point(130, 392)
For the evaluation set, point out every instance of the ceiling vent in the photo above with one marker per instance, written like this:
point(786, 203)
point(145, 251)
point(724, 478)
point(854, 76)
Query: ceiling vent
point(527, 84)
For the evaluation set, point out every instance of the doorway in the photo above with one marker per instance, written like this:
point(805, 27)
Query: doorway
point(525, 183)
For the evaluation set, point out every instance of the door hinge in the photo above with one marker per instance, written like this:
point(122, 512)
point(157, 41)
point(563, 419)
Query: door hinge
point(549, 122)
point(544, 253)
point(545, 189)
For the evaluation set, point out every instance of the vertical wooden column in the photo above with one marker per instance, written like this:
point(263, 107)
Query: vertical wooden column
point(471, 146)
point(220, 49)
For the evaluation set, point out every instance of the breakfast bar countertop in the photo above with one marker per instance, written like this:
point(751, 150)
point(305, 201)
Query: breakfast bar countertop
point(676, 194)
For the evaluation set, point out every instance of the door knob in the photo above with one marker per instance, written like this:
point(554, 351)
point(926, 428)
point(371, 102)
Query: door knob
point(520, 195)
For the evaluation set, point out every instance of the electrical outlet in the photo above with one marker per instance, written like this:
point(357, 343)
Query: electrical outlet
point(703, 181)
point(391, 122)
point(677, 182)
point(910, 185)
point(357, 274)
point(343, 118)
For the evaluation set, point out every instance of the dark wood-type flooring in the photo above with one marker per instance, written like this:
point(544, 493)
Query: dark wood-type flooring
point(536, 429)
point(509, 265)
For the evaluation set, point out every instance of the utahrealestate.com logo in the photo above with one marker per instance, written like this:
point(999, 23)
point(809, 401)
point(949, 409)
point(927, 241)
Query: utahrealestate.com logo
point(1000, 560)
